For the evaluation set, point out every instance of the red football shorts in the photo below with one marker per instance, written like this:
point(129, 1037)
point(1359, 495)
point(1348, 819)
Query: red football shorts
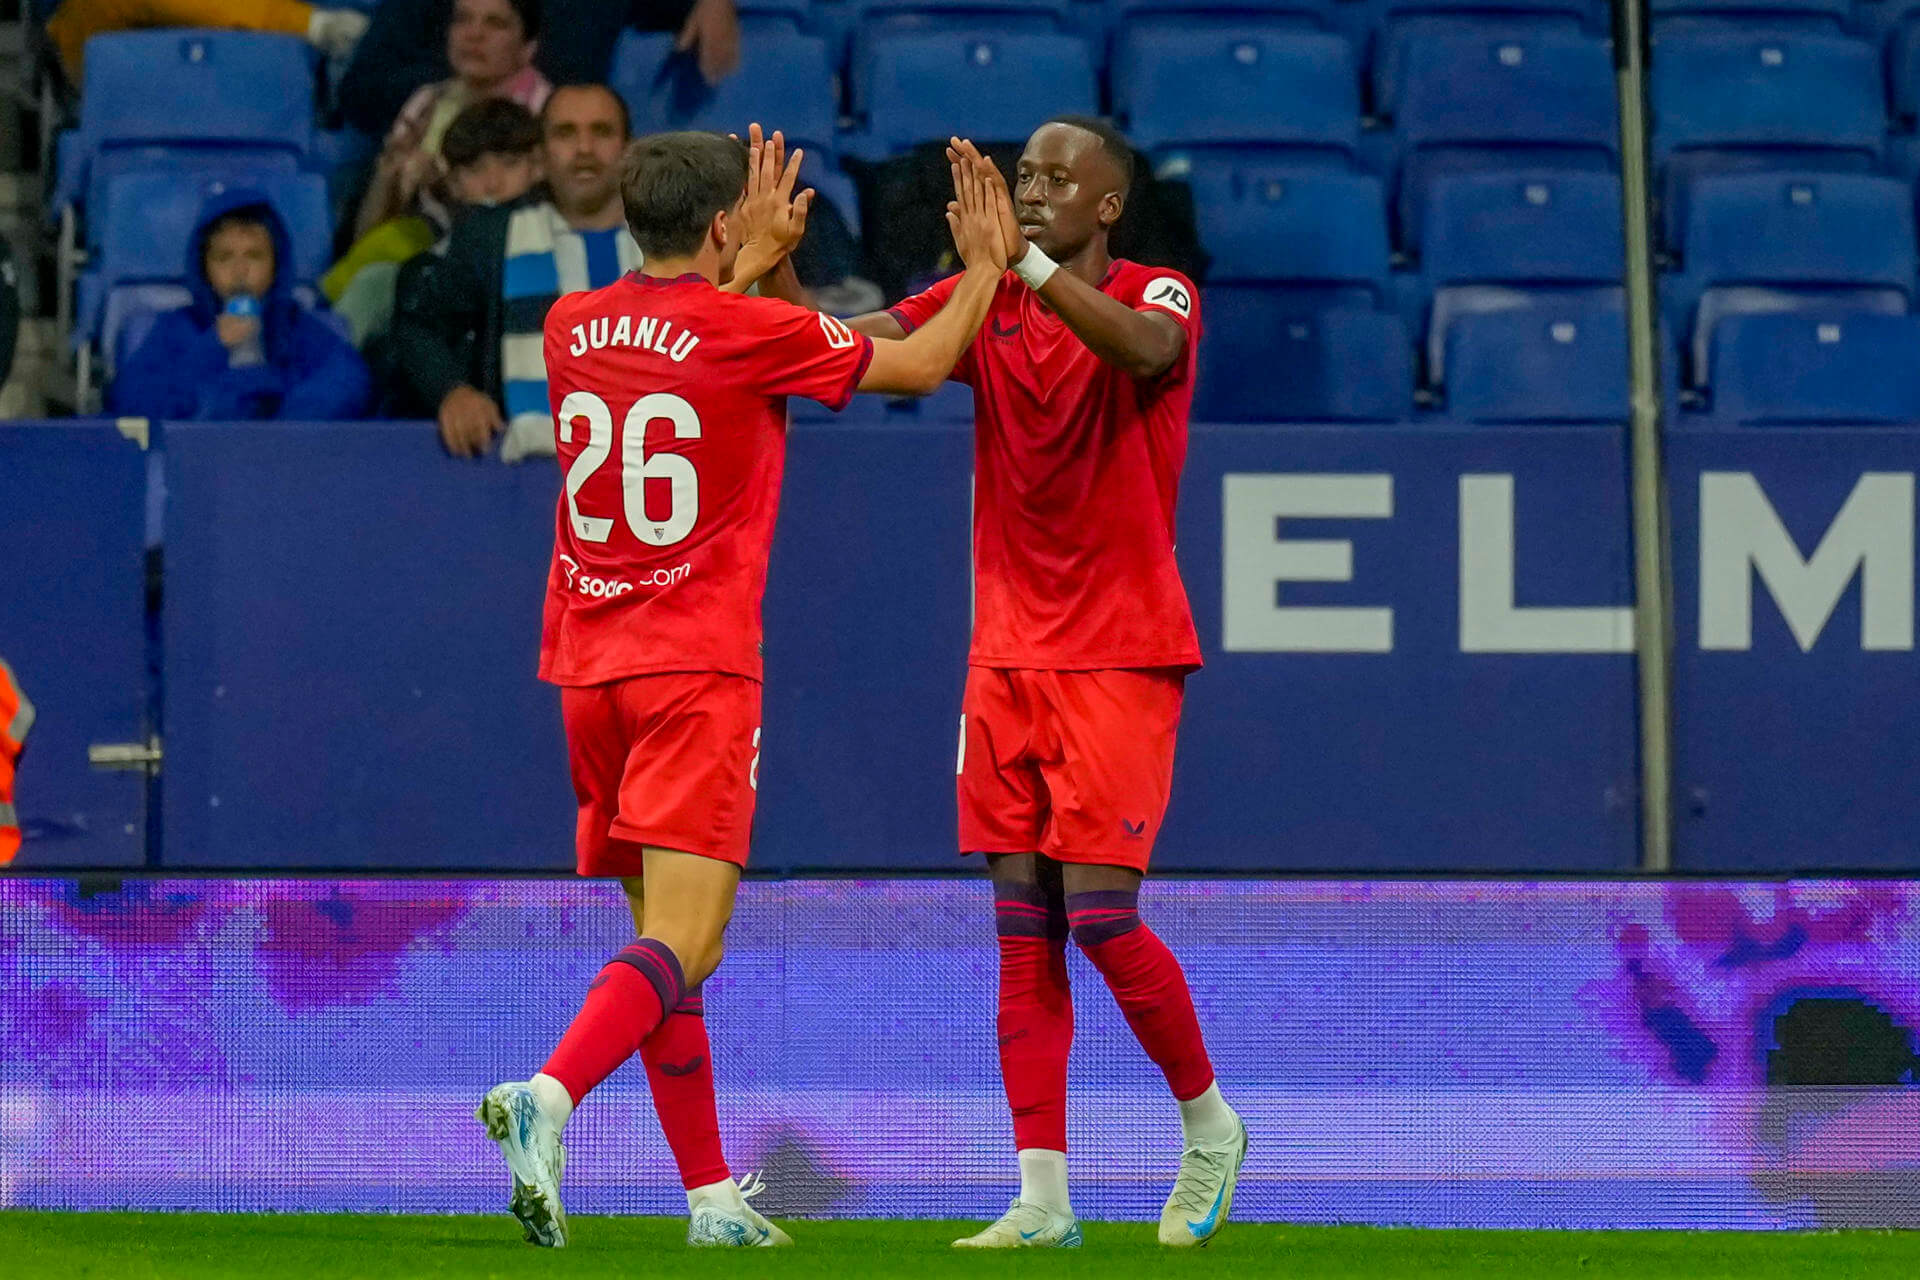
point(667, 760)
point(1073, 764)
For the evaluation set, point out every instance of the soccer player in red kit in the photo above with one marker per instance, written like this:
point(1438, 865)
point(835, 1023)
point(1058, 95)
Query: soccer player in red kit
point(1082, 381)
point(669, 400)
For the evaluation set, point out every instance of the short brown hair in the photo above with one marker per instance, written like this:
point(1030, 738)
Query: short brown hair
point(489, 127)
point(673, 183)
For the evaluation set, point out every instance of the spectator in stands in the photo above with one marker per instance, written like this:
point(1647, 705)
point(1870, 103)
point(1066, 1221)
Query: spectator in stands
point(244, 348)
point(406, 47)
point(9, 310)
point(491, 155)
point(490, 46)
point(468, 317)
point(332, 31)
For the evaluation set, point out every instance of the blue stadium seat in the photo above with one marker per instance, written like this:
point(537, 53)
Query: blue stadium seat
point(1321, 234)
point(146, 221)
point(1236, 84)
point(1261, 362)
point(1407, 25)
point(1809, 368)
point(1481, 100)
point(1767, 242)
point(1903, 67)
point(1543, 225)
point(1542, 364)
point(1725, 88)
point(785, 81)
point(190, 89)
point(1820, 15)
point(928, 85)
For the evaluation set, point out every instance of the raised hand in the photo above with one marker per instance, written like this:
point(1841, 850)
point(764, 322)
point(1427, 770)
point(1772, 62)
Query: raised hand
point(772, 218)
point(962, 151)
point(973, 215)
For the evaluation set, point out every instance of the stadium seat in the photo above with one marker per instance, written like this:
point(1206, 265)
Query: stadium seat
point(1542, 364)
point(928, 85)
point(190, 89)
point(1761, 242)
point(785, 81)
point(1407, 25)
point(1725, 88)
point(1321, 234)
point(1541, 225)
point(1262, 362)
point(1479, 100)
point(1903, 68)
point(1809, 368)
point(1824, 15)
point(1268, 85)
point(146, 220)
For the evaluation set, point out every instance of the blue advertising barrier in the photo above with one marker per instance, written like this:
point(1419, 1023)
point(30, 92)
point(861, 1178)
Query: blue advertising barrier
point(73, 627)
point(1796, 692)
point(1417, 641)
point(1418, 650)
point(351, 625)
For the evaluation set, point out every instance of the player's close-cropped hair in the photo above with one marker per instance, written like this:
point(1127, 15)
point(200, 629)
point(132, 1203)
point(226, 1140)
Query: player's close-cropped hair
point(673, 183)
point(1112, 141)
point(490, 127)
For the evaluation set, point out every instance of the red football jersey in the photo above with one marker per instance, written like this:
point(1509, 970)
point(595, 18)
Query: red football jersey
point(670, 412)
point(1076, 473)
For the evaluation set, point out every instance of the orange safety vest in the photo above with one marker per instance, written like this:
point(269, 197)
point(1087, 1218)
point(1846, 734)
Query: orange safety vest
point(16, 718)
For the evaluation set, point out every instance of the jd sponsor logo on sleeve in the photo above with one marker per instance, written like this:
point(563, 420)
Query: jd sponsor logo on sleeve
point(1171, 294)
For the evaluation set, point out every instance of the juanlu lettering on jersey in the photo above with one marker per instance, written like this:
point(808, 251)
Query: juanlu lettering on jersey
point(642, 333)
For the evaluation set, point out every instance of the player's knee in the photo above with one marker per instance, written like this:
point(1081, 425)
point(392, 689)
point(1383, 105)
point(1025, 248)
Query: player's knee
point(1102, 915)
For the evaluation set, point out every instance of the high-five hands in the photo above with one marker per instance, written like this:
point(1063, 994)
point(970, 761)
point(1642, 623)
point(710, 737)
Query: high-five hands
point(961, 151)
point(772, 219)
point(977, 213)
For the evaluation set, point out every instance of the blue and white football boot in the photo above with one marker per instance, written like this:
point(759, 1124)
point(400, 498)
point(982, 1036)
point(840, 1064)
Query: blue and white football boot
point(1203, 1193)
point(722, 1218)
point(530, 1140)
point(1027, 1226)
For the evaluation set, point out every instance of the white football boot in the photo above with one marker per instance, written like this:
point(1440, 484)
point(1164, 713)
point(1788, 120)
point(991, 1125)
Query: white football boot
point(1203, 1193)
point(1027, 1226)
point(722, 1221)
point(530, 1141)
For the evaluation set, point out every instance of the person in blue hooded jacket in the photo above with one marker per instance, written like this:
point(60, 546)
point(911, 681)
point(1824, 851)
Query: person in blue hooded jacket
point(244, 348)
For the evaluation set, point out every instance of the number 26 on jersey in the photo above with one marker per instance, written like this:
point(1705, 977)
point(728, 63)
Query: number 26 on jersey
point(637, 465)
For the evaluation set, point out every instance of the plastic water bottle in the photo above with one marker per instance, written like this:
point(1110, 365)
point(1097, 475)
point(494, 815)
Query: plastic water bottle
point(249, 352)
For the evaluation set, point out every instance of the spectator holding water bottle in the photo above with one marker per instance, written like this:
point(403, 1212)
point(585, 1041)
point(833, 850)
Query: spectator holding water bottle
point(244, 348)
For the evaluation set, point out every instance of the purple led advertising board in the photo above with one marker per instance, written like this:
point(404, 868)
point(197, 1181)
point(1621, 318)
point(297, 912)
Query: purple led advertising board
point(1452, 1053)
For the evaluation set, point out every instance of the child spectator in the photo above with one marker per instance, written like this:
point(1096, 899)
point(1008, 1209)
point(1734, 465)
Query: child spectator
point(244, 348)
point(491, 155)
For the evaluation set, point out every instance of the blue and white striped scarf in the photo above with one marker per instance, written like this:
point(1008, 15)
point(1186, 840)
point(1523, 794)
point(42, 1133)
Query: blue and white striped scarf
point(545, 259)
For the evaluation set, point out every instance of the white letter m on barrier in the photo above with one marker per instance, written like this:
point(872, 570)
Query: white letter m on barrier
point(1741, 536)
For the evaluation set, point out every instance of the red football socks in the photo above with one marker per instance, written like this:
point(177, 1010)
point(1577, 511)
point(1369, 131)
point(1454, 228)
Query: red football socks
point(1148, 984)
point(626, 1002)
point(680, 1071)
point(1036, 1016)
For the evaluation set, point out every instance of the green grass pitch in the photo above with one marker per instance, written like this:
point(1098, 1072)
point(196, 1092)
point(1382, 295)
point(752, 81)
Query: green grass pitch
point(135, 1246)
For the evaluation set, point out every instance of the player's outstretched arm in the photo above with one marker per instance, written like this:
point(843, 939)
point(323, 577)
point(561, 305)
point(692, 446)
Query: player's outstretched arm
point(919, 363)
point(1144, 343)
point(772, 219)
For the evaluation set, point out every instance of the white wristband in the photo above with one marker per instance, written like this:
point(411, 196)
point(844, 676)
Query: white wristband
point(1035, 268)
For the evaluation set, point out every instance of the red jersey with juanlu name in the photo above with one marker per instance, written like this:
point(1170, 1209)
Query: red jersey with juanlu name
point(1076, 474)
point(670, 412)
